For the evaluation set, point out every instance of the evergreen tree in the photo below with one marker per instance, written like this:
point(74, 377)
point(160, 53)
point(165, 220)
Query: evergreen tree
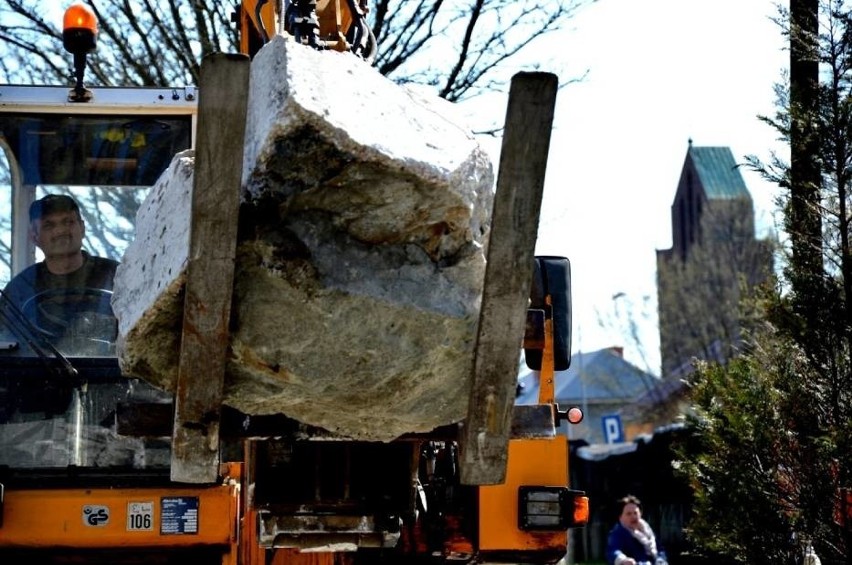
point(769, 450)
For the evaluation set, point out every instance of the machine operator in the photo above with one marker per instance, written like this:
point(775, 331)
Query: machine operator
point(69, 291)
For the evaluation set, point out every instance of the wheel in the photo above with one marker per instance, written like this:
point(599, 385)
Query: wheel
point(76, 313)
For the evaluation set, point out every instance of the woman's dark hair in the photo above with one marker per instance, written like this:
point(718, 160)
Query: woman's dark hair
point(625, 500)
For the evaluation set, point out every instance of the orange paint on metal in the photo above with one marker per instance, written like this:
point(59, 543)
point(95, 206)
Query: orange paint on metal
point(540, 462)
point(547, 375)
point(116, 518)
point(334, 18)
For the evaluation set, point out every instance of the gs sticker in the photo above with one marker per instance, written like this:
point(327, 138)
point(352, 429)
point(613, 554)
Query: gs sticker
point(95, 515)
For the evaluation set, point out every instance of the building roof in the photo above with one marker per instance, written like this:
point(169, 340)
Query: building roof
point(717, 172)
point(597, 376)
point(601, 451)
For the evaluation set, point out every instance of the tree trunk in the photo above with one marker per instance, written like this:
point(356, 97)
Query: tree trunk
point(804, 223)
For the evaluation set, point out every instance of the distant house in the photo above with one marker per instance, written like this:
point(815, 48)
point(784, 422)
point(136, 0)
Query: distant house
point(602, 383)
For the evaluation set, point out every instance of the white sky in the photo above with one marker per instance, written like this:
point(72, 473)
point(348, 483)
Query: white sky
point(659, 73)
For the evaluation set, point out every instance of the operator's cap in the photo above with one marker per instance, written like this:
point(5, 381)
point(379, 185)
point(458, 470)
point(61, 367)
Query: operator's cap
point(52, 203)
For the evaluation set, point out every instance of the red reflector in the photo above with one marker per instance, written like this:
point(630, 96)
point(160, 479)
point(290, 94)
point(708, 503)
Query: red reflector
point(575, 415)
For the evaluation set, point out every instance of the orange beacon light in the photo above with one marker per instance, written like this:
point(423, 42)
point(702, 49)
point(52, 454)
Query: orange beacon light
point(79, 37)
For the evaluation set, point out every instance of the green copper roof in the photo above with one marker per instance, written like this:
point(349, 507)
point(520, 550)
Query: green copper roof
point(718, 172)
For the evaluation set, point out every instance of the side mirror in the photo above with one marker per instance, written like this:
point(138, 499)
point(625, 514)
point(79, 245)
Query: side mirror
point(552, 278)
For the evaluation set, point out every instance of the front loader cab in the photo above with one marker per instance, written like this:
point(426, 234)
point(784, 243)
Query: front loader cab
point(61, 387)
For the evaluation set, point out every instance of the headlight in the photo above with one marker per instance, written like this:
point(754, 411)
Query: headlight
point(551, 508)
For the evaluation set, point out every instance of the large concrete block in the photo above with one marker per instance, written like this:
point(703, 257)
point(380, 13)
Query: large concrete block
point(360, 256)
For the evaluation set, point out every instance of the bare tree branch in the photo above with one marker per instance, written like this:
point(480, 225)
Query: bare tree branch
point(459, 49)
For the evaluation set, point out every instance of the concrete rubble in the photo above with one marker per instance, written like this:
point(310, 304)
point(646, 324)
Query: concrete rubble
point(365, 210)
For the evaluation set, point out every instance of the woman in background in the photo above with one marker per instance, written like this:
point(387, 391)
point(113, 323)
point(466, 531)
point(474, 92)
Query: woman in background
point(632, 541)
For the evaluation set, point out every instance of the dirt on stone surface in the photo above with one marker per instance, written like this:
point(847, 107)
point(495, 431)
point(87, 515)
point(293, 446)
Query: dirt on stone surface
point(359, 267)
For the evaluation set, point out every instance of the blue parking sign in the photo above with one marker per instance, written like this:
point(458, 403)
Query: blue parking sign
point(612, 430)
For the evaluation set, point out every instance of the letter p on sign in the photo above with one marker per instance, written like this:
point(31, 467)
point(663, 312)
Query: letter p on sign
point(613, 432)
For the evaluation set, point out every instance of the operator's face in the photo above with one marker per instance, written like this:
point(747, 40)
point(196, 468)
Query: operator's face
point(58, 234)
point(630, 515)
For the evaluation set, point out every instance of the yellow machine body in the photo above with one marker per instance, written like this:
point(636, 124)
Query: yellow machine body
point(55, 523)
point(104, 517)
point(530, 462)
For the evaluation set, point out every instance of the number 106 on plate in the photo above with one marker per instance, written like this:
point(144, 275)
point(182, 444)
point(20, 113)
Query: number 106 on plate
point(140, 516)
